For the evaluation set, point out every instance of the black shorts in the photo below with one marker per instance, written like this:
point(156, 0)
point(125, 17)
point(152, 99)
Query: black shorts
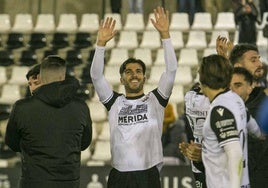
point(134, 179)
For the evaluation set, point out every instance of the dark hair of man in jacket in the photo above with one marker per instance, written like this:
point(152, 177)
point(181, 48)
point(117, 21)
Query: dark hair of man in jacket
point(53, 69)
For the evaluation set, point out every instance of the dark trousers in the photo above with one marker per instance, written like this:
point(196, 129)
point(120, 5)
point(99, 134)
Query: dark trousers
point(116, 6)
point(134, 179)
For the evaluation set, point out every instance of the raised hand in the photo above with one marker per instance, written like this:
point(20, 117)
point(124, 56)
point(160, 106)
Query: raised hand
point(223, 46)
point(161, 21)
point(106, 31)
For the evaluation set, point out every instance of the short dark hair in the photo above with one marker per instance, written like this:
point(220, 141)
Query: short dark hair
point(242, 71)
point(34, 71)
point(132, 60)
point(239, 50)
point(215, 72)
point(53, 61)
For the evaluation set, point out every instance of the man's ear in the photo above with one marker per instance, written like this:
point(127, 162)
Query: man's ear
point(144, 79)
point(122, 80)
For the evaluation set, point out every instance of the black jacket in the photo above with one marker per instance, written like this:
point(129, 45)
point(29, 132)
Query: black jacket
point(246, 23)
point(257, 149)
point(50, 129)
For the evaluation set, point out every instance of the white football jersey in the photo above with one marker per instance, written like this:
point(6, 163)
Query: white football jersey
point(136, 129)
point(225, 123)
point(196, 108)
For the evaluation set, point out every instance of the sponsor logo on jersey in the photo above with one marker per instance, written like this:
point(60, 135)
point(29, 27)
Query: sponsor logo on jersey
point(220, 111)
point(131, 115)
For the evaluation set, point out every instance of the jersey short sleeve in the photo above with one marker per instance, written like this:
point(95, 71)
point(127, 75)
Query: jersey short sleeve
point(223, 123)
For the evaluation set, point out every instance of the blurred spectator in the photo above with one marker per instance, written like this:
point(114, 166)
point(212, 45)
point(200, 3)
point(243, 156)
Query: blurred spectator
point(188, 6)
point(173, 134)
point(263, 4)
point(169, 117)
point(116, 6)
point(213, 7)
point(135, 6)
point(199, 6)
point(246, 15)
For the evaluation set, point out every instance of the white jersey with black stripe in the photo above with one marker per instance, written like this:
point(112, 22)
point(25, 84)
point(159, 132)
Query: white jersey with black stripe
point(225, 123)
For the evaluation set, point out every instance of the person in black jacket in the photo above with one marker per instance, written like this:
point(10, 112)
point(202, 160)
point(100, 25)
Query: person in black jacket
point(246, 15)
point(50, 129)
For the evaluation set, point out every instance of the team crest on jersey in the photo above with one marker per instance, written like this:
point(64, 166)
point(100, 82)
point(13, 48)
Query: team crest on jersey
point(220, 111)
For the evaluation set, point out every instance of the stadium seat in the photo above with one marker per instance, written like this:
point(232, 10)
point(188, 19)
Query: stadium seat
point(196, 40)
point(5, 24)
point(149, 25)
point(128, 40)
point(111, 44)
point(180, 21)
point(18, 74)
point(90, 56)
point(177, 95)
point(73, 58)
point(225, 21)
point(118, 19)
point(89, 23)
point(177, 39)
point(6, 58)
point(236, 36)
point(184, 76)
point(261, 42)
point(99, 114)
point(134, 22)
point(159, 60)
point(67, 23)
point(150, 39)
point(209, 51)
point(28, 58)
point(188, 57)
point(49, 52)
point(118, 56)
point(82, 40)
point(155, 74)
point(102, 151)
point(105, 132)
point(10, 93)
point(23, 23)
point(145, 55)
point(111, 73)
point(14, 41)
point(264, 21)
point(59, 40)
point(85, 76)
point(37, 41)
point(202, 21)
point(45, 23)
point(3, 75)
